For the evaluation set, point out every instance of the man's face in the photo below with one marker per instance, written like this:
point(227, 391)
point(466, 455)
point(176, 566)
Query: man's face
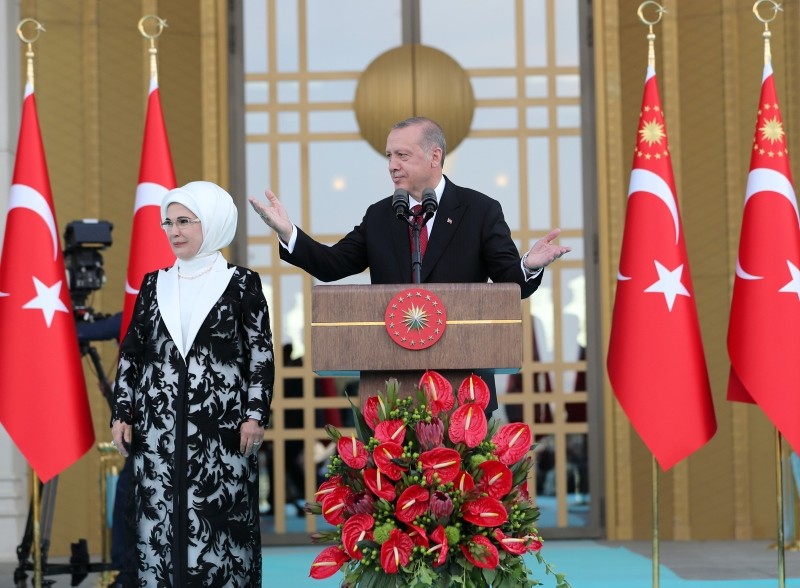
point(409, 166)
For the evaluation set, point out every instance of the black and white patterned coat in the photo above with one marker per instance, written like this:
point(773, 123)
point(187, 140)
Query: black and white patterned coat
point(194, 504)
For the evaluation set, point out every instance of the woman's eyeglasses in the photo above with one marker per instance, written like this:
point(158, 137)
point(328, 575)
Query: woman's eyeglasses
point(182, 222)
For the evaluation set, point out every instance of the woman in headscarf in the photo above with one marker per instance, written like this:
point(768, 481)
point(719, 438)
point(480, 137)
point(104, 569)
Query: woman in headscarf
point(192, 398)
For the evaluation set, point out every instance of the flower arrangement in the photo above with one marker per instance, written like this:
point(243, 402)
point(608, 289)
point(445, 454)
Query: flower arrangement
point(428, 493)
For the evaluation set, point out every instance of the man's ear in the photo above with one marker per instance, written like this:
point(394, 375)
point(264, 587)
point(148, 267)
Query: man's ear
point(436, 157)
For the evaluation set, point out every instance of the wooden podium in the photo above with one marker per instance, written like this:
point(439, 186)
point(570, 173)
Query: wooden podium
point(349, 336)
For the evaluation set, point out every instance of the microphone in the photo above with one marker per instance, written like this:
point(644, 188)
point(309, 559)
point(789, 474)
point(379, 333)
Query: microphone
point(400, 204)
point(429, 204)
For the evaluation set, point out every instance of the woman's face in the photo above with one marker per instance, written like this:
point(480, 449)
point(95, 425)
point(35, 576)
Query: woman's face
point(185, 241)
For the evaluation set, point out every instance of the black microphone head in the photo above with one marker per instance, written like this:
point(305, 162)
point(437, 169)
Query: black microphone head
point(400, 203)
point(429, 203)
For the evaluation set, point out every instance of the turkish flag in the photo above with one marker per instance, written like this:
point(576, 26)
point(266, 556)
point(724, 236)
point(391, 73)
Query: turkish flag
point(149, 248)
point(764, 329)
point(655, 356)
point(43, 400)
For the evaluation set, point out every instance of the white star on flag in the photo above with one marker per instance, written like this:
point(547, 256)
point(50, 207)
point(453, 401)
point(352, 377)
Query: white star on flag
point(669, 284)
point(794, 283)
point(48, 300)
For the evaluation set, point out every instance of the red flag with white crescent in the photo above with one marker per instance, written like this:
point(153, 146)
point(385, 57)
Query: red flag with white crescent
point(44, 405)
point(149, 248)
point(655, 362)
point(763, 340)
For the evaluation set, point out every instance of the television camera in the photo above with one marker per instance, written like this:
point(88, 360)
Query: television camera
point(83, 242)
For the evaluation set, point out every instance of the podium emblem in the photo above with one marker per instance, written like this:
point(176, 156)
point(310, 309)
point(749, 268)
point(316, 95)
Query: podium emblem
point(415, 318)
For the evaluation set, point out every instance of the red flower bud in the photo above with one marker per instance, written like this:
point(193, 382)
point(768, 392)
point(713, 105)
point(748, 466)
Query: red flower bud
point(360, 503)
point(440, 504)
point(430, 435)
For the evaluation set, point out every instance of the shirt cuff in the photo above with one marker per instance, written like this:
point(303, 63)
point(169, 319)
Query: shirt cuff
point(292, 240)
point(527, 272)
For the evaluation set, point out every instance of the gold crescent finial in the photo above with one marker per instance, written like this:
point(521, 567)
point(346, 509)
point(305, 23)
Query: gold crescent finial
point(38, 29)
point(776, 8)
point(651, 36)
point(160, 23)
point(660, 11)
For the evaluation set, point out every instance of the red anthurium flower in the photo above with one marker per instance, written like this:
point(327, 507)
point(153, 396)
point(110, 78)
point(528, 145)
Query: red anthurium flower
point(513, 441)
point(356, 528)
point(535, 544)
point(440, 546)
point(515, 545)
point(468, 425)
point(474, 389)
point(328, 562)
point(464, 482)
point(391, 432)
point(396, 551)
point(327, 487)
point(379, 484)
point(333, 505)
point(485, 512)
point(443, 461)
point(418, 535)
point(352, 452)
point(371, 412)
point(439, 392)
point(412, 503)
point(482, 553)
point(384, 455)
point(496, 479)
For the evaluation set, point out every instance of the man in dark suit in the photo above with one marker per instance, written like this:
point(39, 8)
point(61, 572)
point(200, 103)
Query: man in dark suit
point(468, 238)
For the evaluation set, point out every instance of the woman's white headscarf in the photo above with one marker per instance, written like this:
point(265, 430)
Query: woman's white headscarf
point(215, 209)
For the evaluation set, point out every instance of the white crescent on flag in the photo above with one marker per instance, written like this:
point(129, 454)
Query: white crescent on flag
point(147, 194)
point(643, 180)
point(761, 180)
point(646, 181)
point(22, 196)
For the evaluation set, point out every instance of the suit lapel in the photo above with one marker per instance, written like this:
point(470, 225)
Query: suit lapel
point(448, 217)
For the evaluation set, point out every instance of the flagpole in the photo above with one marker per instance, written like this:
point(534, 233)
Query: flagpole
point(37, 536)
point(781, 546)
point(656, 562)
point(651, 63)
point(779, 482)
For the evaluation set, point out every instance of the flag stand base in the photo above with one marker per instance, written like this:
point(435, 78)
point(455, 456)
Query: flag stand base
point(79, 566)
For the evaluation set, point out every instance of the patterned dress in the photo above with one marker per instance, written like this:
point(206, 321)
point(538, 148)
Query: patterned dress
point(194, 504)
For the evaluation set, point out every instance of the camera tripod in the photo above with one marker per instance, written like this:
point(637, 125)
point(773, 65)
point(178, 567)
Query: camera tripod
point(79, 566)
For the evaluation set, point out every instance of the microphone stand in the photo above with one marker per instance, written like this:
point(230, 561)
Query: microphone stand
point(416, 254)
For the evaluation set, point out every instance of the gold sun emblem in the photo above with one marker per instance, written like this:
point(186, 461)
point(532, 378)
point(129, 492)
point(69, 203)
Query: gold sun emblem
point(652, 132)
point(415, 317)
point(772, 130)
